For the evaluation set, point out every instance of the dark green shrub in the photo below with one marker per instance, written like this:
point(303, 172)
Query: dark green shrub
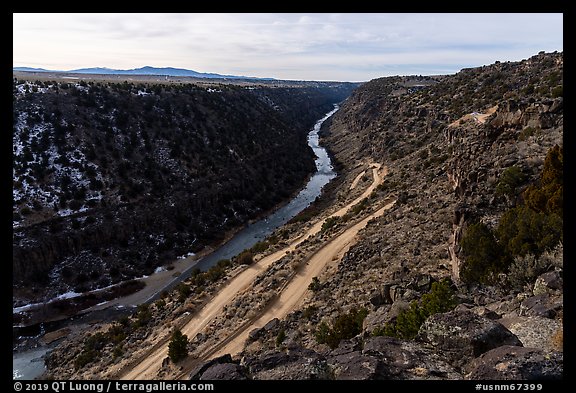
point(75, 204)
point(304, 216)
point(309, 312)
point(547, 195)
point(178, 346)
point(524, 271)
point(522, 230)
point(224, 263)
point(329, 223)
point(526, 133)
point(118, 351)
point(440, 299)
point(363, 204)
point(215, 273)
point(143, 316)
point(482, 254)
point(246, 257)
point(260, 247)
point(510, 180)
point(84, 358)
point(95, 341)
point(315, 285)
point(344, 326)
point(529, 228)
point(280, 337)
point(116, 333)
point(558, 91)
point(183, 291)
point(93, 344)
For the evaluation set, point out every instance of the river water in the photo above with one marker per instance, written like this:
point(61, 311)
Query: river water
point(259, 230)
point(30, 364)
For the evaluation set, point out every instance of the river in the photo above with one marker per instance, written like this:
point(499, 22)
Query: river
point(261, 229)
point(30, 364)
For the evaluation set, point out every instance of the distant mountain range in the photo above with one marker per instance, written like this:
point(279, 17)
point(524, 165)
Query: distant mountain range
point(147, 70)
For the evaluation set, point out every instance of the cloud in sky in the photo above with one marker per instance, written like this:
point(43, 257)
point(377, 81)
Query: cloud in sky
point(352, 47)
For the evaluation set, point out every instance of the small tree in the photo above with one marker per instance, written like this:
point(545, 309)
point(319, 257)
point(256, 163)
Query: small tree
point(246, 257)
point(510, 180)
point(481, 254)
point(315, 285)
point(183, 291)
point(344, 326)
point(178, 346)
point(547, 195)
point(441, 298)
point(329, 223)
point(280, 337)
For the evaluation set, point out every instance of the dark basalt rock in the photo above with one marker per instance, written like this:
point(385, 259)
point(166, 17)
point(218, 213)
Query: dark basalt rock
point(354, 366)
point(464, 335)
point(224, 371)
point(549, 281)
point(199, 371)
point(517, 363)
point(542, 305)
point(408, 360)
point(298, 363)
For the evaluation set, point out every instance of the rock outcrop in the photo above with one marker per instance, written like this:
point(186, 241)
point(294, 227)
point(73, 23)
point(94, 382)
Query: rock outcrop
point(517, 363)
point(463, 335)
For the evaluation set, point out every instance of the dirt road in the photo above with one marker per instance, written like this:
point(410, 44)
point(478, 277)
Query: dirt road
point(295, 292)
point(356, 180)
point(151, 361)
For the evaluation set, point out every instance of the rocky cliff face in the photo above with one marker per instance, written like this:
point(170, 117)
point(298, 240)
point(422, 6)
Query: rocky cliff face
point(111, 180)
point(447, 145)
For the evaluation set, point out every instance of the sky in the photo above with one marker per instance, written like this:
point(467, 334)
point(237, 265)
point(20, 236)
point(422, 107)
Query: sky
point(323, 47)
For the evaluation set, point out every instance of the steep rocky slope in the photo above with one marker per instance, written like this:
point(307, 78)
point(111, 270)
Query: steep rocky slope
point(447, 147)
point(111, 180)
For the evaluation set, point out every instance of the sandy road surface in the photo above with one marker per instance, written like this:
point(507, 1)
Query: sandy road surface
point(151, 361)
point(356, 180)
point(295, 292)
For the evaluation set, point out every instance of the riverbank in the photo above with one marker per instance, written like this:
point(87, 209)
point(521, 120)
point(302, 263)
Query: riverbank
point(236, 242)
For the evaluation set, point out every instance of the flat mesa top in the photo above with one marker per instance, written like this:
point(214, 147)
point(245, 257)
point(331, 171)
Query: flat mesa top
point(166, 79)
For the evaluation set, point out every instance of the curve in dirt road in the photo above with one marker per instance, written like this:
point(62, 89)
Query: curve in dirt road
point(151, 361)
point(356, 180)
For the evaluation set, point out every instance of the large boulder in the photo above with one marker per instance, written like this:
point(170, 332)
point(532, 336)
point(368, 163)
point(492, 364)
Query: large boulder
point(377, 318)
point(354, 366)
point(535, 332)
point(517, 363)
point(404, 360)
point(224, 371)
point(548, 282)
point(463, 335)
point(199, 370)
point(297, 363)
point(543, 305)
point(348, 363)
